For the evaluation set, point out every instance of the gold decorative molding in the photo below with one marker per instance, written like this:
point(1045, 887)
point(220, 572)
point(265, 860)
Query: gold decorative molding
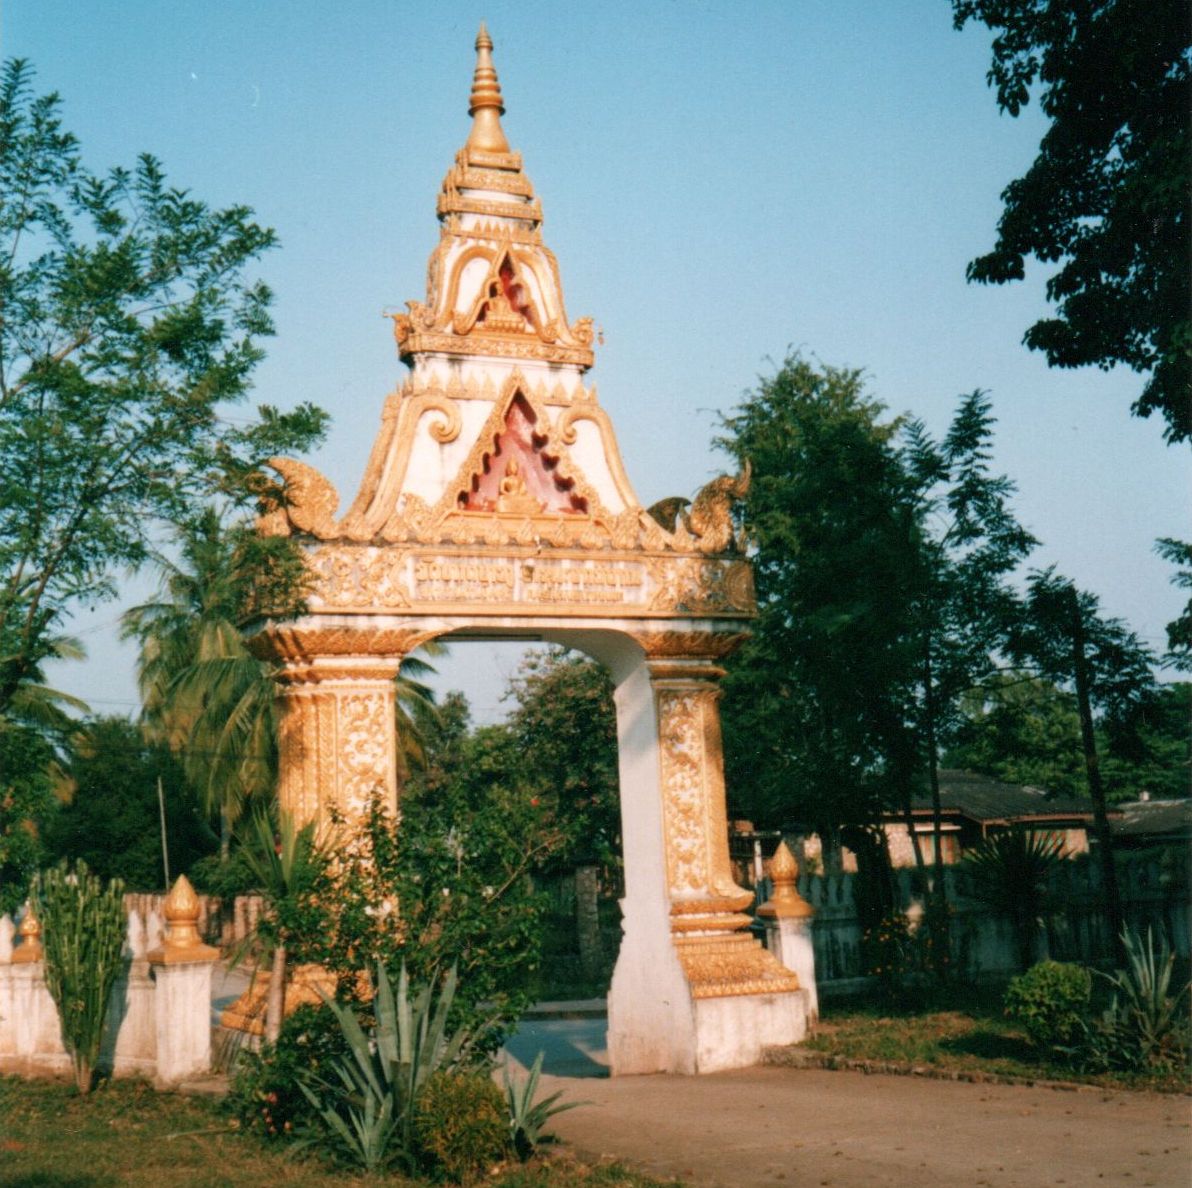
point(692, 778)
point(695, 645)
point(729, 967)
point(308, 639)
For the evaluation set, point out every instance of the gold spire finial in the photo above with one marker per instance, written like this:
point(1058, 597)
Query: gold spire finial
point(485, 105)
point(30, 933)
point(785, 900)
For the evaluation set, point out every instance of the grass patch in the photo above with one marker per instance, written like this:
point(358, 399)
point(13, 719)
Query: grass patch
point(959, 1029)
point(127, 1135)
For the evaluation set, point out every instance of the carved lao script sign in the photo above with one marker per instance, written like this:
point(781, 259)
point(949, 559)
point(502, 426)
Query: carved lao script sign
point(367, 579)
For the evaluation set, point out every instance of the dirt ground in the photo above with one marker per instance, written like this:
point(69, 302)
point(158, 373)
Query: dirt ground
point(779, 1126)
point(797, 1127)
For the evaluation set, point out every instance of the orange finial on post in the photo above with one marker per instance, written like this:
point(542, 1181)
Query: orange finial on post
point(485, 105)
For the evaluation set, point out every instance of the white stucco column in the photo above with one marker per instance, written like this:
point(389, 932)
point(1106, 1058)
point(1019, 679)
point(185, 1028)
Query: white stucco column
point(182, 1001)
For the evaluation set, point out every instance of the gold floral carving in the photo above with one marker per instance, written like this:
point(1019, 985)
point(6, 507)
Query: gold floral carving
point(360, 577)
point(367, 756)
point(731, 967)
point(336, 743)
point(692, 775)
point(701, 587)
point(410, 342)
point(463, 177)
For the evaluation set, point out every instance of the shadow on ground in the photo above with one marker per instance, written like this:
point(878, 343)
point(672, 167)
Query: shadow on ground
point(569, 1047)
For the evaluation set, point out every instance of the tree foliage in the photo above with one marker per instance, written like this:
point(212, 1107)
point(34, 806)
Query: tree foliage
point(1106, 197)
point(27, 807)
point(126, 326)
point(202, 692)
point(564, 726)
point(112, 819)
point(814, 721)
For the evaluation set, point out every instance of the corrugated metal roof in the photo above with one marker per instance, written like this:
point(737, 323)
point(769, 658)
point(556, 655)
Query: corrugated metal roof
point(982, 798)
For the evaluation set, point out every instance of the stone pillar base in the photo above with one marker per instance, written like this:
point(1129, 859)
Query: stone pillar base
point(710, 1003)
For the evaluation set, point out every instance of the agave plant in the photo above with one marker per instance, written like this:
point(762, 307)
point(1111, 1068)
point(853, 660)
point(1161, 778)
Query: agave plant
point(369, 1102)
point(527, 1117)
point(1145, 1025)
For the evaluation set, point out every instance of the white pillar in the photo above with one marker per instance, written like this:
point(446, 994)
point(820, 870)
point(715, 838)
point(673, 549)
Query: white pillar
point(182, 1000)
point(789, 918)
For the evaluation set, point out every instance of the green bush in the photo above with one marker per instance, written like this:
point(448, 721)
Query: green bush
point(1050, 1002)
point(264, 1095)
point(461, 1125)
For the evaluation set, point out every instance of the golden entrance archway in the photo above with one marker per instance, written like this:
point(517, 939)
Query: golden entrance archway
point(495, 506)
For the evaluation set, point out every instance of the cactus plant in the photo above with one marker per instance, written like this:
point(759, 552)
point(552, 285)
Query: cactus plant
point(83, 926)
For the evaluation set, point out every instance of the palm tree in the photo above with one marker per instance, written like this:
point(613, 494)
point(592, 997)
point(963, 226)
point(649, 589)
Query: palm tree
point(202, 691)
point(285, 863)
point(213, 701)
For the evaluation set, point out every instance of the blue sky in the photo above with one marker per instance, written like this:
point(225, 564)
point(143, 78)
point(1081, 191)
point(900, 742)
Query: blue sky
point(722, 182)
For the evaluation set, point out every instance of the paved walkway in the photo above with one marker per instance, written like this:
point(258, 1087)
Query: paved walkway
point(781, 1126)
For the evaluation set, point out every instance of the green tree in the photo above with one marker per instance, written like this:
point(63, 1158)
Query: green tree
point(1179, 631)
point(1153, 754)
point(564, 725)
point(27, 807)
point(126, 327)
point(964, 608)
point(112, 819)
point(1064, 636)
point(1020, 729)
point(1025, 730)
point(203, 693)
point(1106, 197)
point(813, 707)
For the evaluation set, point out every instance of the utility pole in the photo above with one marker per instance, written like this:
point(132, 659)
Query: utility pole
point(165, 849)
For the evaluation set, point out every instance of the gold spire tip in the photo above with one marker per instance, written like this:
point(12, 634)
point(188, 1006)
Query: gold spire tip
point(485, 105)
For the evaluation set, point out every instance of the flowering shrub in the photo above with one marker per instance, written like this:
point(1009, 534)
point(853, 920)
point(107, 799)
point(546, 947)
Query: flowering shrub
point(888, 950)
point(264, 1096)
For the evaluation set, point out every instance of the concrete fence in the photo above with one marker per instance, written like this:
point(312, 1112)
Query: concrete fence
point(222, 922)
point(159, 1012)
point(983, 942)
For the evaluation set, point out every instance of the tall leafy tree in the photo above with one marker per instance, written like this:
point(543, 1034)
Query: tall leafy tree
point(964, 608)
point(112, 819)
point(1020, 729)
point(565, 729)
point(813, 708)
point(203, 693)
point(1108, 669)
point(1106, 198)
point(1179, 630)
point(126, 324)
